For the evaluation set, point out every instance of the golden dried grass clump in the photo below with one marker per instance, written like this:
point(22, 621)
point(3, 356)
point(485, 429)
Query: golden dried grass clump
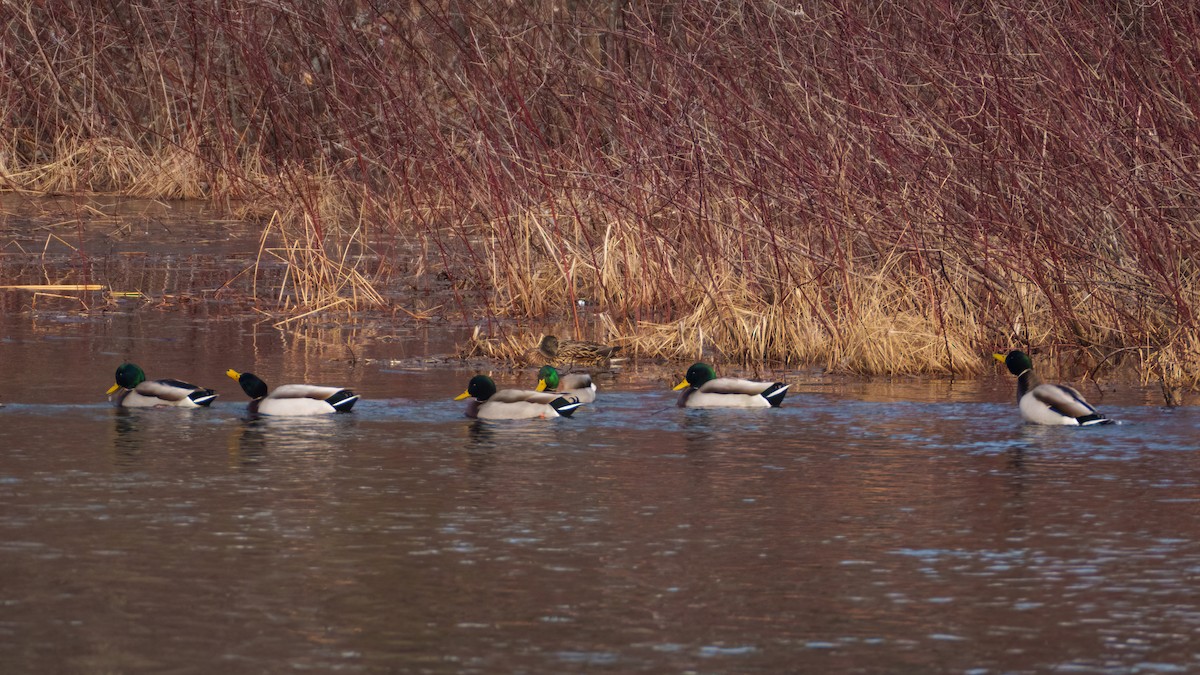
point(110, 165)
point(878, 315)
point(508, 349)
point(1175, 368)
point(321, 273)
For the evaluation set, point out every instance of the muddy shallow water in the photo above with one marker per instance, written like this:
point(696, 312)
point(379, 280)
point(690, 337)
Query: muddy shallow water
point(866, 526)
point(863, 527)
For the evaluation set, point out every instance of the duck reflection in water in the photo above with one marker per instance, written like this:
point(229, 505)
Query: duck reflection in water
point(127, 437)
point(514, 434)
point(140, 433)
point(706, 429)
point(482, 435)
point(257, 438)
point(248, 443)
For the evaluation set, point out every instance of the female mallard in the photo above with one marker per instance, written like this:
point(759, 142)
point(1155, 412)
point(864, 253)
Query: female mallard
point(138, 392)
point(1048, 403)
point(578, 385)
point(573, 352)
point(705, 390)
point(513, 404)
point(293, 399)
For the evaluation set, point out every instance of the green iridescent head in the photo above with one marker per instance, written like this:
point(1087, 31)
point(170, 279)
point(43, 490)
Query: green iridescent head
point(547, 379)
point(129, 376)
point(251, 384)
point(1016, 361)
point(481, 387)
point(697, 375)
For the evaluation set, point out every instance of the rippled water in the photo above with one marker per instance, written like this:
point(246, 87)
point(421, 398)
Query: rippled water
point(864, 527)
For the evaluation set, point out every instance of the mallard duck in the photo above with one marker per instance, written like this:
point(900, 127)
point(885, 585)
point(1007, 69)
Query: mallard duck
point(1047, 403)
point(513, 404)
point(293, 399)
point(573, 352)
point(703, 389)
point(138, 392)
point(579, 385)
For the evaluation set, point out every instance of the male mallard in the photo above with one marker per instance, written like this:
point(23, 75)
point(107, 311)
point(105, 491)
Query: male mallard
point(293, 399)
point(573, 352)
point(513, 404)
point(1048, 403)
point(138, 392)
point(579, 385)
point(705, 390)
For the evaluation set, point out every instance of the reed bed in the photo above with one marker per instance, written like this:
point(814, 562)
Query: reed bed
point(878, 187)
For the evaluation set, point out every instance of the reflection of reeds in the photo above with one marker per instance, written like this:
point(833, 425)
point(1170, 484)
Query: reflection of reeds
point(877, 187)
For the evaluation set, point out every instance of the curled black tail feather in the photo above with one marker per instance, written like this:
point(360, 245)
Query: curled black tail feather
point(202, 396)
point(565, 405)
point(775, 393)
point(343, 401)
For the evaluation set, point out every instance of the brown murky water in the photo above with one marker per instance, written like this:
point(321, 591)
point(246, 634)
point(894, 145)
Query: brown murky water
point(864, 527)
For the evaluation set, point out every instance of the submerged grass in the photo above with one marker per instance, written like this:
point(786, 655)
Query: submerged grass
point(877, 188)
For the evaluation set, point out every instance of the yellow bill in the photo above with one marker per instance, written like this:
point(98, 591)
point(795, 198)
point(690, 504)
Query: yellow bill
point(998, 357)
point(233, 373)
point(681, 385)
point(465, 394)
point(113, 389)
point(541, 385)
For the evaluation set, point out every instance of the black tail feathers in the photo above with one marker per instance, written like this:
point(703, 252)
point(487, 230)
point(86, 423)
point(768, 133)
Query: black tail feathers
point(202, 396)
point(565, 405)
point(343, 401)
point(1093, 420)
point(775, 393)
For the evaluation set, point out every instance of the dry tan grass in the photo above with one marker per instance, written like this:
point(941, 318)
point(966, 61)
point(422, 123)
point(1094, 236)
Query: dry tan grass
point(870, 320)
point(108, 165)
point(319, 275)
point(508, 349)
point(704, 173)
point(317, 239)
point(878, 313)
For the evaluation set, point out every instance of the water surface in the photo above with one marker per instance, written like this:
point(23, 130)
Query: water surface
point(865, 527)
point(868, 527)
